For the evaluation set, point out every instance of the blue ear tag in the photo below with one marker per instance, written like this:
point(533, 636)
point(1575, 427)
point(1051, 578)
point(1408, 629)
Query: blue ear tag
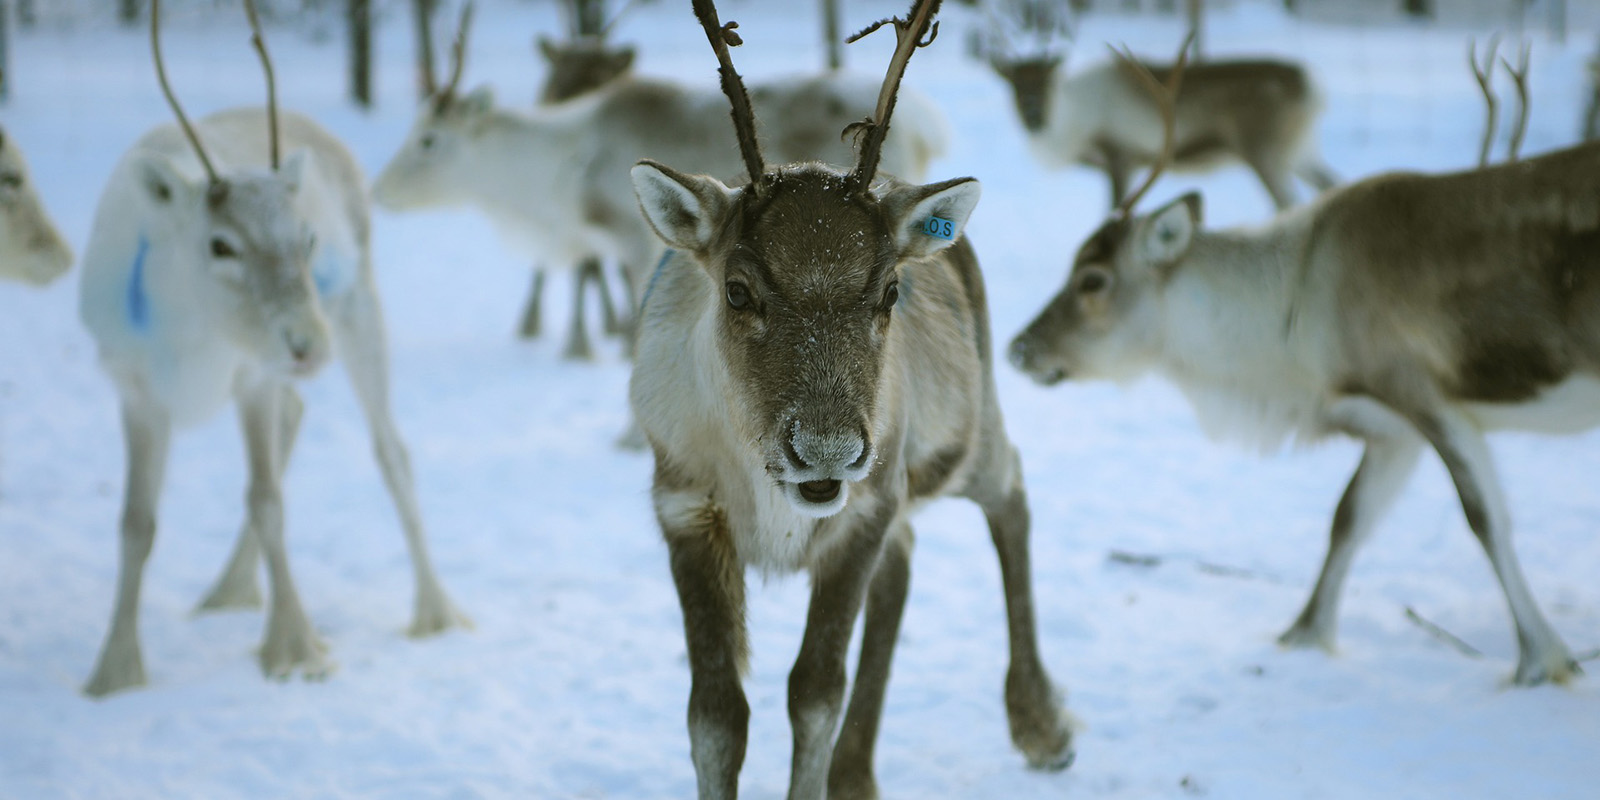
point(939, 228)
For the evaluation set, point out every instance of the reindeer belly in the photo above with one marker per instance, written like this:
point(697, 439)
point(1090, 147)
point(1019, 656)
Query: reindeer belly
point(1570, 406)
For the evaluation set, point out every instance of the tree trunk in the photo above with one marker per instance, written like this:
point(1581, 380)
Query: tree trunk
point(5, 50)
point(361, 52)
point(1417, 8)
point(589, 17)
point(128, 12)
point(1196, 13)
point(422, 11)
point(831, 37)
point(27, 15)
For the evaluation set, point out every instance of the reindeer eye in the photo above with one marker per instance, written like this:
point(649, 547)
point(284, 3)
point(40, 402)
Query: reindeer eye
point(738, 296)
point(221, 249)
point(891, 295)
point(1093, 282)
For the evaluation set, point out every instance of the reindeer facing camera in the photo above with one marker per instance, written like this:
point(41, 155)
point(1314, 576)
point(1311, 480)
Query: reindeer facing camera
point(1258, 112)
point(215, 270)
point(813, 366)
point(1408, 311)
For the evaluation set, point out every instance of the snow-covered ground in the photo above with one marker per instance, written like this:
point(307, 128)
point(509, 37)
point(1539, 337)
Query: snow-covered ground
point(574, 683)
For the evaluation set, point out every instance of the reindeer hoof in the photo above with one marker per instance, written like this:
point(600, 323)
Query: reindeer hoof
point(1040, 726)
point(1306, 637)
point(294, 648)
point(231, 596)
point(1559, 668)
point(434, 614)
point(115, 674)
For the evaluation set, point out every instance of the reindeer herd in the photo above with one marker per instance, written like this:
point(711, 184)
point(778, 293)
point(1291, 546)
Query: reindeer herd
point(812, 354)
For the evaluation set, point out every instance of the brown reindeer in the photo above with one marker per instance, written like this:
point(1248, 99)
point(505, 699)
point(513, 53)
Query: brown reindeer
point(813, 365)
point(1258, 112)
point(1405, 310)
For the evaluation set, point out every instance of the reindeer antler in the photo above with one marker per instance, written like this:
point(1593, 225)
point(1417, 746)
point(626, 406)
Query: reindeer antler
point(871, 132)
point(458, 59)
point(1484, 74)
point(260, 43)
point(1166, 97)
point(1519, 77)
point(744, 119)
point(172, 100)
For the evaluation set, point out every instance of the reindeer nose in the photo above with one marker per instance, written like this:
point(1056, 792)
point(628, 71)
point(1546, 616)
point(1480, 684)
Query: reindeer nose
point(1018, 353)
point(831, 452)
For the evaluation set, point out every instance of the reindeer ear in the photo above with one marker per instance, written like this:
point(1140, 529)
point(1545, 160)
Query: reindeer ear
point(623, 59)
point(477, 102)
point(1168, 232)
point(162, 179)
point(926, 219)
point(295, 168)
point(685, 210)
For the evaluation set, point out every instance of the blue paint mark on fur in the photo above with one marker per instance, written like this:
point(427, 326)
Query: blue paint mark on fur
point(656, 275)
point(138, 301)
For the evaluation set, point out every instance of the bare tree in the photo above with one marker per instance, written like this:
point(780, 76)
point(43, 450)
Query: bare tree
point(423, 19)
point(5, 50)
point(128, 11)
point(361, 52)
point(1196, 11)
point(27, 14)
point(831, 37)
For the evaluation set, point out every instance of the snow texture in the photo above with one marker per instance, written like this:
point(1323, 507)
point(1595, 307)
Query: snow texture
point(574, 683)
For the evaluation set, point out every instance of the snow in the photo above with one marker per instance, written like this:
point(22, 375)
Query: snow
point(574, 682)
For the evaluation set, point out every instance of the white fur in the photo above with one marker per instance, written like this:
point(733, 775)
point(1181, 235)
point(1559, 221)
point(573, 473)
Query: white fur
point(535, 173)
point(182, 330)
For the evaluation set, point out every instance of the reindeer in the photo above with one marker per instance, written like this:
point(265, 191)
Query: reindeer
point(556, 183)
point(214, 269)
point(1258, 112)
point(1405, 310)
point(813, 365)
point(31, 249)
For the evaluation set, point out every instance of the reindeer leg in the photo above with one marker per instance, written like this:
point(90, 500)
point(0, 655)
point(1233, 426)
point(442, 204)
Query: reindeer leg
point(363, 347)
point(710, 583)
point(1117, 169)
point(1385, 467)
point(238, 587)
point(1542, 654)
point(290, 644)
point(528, 328)
point(1040, 727)
point(816, 684)
point(851, 776)
point(147, 431)
point(578, 332)
point(608, 308)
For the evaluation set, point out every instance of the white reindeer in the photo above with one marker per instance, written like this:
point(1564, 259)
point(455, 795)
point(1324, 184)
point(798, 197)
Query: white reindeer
point(813, 365)
point(1259, 112)
point(555, 181)
point(31, 249)
point(211, 273)
point(1405, 310)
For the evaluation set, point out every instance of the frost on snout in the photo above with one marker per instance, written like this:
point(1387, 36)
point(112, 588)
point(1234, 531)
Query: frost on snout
point(815, 466)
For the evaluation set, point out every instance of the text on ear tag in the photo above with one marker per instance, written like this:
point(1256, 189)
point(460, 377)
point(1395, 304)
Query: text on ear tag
point(939, 228)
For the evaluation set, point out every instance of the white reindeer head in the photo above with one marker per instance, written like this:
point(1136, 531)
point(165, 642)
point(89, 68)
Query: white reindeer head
point(435, 164)
point(31, 249)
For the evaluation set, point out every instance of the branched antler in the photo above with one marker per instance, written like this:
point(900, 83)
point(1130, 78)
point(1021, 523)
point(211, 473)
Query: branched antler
point(458, 60)
point(870, 133)
point(744, 119)
point(260, 43)
point(1519, 77)
point(1484, 74)
point(172, 100)
point(1166, 97)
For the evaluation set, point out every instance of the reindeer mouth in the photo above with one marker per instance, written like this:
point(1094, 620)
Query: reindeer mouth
point(819, 492)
